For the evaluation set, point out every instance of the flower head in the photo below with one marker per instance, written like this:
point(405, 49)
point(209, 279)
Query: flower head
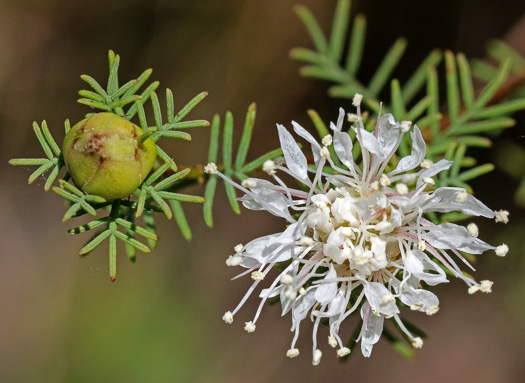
point(357, 240)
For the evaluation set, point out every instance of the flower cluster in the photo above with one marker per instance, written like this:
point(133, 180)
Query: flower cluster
point(357, 240)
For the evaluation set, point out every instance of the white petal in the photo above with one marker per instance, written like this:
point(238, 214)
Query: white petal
point(325, 293)
point(371, 331)
point(419, 151)
point(316, 148)
point(387, 135)
point(436, 168)
point(444, 200)
point(374, 292)
point(295, 159)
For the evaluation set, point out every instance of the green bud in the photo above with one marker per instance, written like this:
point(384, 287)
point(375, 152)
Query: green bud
point(104, 157)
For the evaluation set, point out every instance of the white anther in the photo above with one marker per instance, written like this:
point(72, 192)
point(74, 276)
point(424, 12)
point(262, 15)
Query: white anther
point(502, 250)
point(211, 168)
point(317, 353)
point(292, 353)
point(228, 317)
point(405, 126)
point(461, 196)
point(348, 232)
point(302, 291)
point(429, 181)
point(502, 216)
point(401, 189)
point(269, 167)
point(290, 293)
point(432, 310)
point(486, 286)
point(307, 241)
point(352, 117)
point(365, 257)
point(474, 289)
point(286, 279)
point(233, 260)
point(388, 298)
point(356, 101)
point(383, 226)
point(257, 276)
point(375, 186)
point(332, 341)
point(325, 153)
point(426, 164)
point(472, 230)
point(249, 183)
point(327, 140)
point(416, 307)
point(422, 245)
point(249, 326)
point(408, 179)
point(343, 352)
point(417, 342)
point(238, 248)
point(384, 180)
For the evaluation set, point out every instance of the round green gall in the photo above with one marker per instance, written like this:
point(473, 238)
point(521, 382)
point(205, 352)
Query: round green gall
point(104, 157)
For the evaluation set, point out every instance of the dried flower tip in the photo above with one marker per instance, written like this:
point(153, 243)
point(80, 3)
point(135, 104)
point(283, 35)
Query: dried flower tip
point(325, 153)
point(257, 276)
point(233, 260)
point(356, 101)
point(473, 289)
point(306, 241)
point(343, 352)
point(332, 341)
point(461, 196)
point(239, 248)
point(249, 183)
point(502, 216)
point(429, 181)
point(426, 164)
point(211, 168)
point(327, 140)
point(317, 353)
point(279, 161)
point(249, 326)
point(401, 188)
point(384, 180)
point(472, 230)
point(502, 250)
point(269, 167)
point(432, 310)
point(351, 117)
point(417, 342)
point(286, 279)
point(228, 317)
point(292, 353)
point(388, 298)
point(486, 286)
point(405, 126)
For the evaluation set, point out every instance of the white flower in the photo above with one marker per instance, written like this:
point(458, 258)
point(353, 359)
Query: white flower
point(357, 241)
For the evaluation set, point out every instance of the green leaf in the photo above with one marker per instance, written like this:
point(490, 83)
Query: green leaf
point(357, 43)
point(181, 220)
point(398, 106)
point(387, 66)
point(232, 197)
point(465, 79)
point(339, 28)
point(258, 162)
point(482, 126)
point(433, 90)
point(501, 109)
point(112, 257)
point(452, 86)
point(95, 85)
point(95, 242)
point(419, 78)
point(493, 86)
point(475, 172)
point(214, 139)
point(189, 106)
point(131, 241)
point(209, 194)
point(89, 226)
point(244, 145)
point(227, 141)
point(313, 28)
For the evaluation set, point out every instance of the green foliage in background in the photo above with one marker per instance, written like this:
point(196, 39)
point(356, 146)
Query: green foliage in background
point(452, 123)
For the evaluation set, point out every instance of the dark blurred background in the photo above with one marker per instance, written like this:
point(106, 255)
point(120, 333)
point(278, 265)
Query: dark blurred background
point(63, 321)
